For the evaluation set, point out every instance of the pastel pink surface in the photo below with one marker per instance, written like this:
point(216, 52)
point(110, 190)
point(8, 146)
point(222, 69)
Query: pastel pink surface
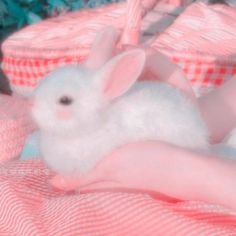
point(37, 209)
point(15, 126)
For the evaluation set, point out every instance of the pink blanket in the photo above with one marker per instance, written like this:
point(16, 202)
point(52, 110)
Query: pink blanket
point(29, 207)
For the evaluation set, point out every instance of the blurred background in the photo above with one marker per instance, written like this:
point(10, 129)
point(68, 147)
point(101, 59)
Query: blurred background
point(15, 14)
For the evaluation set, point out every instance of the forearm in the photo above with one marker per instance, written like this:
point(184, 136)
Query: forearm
point(154, 166)
point(183, 174)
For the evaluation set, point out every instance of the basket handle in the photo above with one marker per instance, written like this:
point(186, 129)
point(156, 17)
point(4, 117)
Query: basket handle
point(132, 28)
point(136, 10)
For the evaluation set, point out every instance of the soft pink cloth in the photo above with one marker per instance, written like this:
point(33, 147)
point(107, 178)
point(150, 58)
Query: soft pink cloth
point(29, 207)
point(15, 126)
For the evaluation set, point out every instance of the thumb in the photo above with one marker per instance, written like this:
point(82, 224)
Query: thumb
point(97, 175)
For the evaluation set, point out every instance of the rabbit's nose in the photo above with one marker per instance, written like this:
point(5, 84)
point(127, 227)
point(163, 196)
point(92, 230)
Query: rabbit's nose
point(65, 100)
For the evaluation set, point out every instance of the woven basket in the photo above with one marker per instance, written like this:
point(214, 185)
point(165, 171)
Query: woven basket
point(200, 40)
point(15, 126)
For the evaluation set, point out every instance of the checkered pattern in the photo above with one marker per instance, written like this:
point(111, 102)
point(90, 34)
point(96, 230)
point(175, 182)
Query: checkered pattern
point(205, 58)
point(203, 74)
point(202, 42)
point(36, 50)
point(15, 126)
point(24, 74)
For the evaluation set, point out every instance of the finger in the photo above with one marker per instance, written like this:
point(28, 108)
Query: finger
point(97, 177)
point(65, 183)
point(109, 186)
point(100, 185)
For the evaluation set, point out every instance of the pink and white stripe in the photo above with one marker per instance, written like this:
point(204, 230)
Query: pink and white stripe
point(35, 209)
point(15, 126)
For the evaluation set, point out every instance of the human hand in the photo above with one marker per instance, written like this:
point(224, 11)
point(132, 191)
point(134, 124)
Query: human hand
point(167, 170)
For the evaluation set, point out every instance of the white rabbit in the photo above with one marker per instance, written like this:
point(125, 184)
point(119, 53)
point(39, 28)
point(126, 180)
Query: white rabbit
point(83, 114)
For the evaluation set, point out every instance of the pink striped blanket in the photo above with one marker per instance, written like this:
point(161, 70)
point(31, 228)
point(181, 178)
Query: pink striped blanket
point(30, 207)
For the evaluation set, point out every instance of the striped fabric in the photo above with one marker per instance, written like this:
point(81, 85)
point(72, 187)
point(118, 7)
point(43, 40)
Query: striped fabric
point(30, 208)
point(15, 126)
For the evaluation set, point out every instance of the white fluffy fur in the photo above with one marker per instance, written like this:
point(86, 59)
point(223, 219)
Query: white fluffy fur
point(148, 111)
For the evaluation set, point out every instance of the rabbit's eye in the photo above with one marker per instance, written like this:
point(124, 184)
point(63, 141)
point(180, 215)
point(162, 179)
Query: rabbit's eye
point(65, 100)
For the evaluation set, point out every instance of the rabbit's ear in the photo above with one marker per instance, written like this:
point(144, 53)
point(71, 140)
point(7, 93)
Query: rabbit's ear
point(103, 48)
point(120, 73)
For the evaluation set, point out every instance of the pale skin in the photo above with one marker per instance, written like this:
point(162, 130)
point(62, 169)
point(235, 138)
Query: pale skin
point(172, 171)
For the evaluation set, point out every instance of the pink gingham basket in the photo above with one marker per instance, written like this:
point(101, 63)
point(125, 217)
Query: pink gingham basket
point(15, 126)
point(202, 42)
point(38, 49)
